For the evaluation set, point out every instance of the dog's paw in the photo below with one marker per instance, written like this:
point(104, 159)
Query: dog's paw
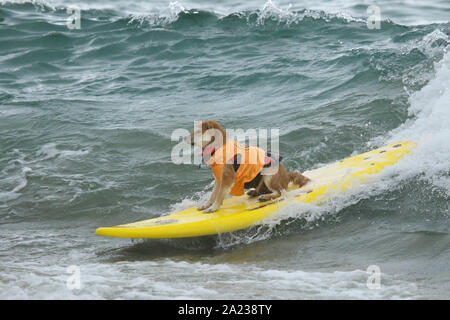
point(262, 198)
point(211, 209)
point(204, 206)
point(252, 192)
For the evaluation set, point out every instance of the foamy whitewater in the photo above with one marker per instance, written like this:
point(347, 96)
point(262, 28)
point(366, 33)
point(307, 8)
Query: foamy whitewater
point(86, 117)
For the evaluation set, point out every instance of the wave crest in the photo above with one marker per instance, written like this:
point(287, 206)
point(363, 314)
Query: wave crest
point(268, 15)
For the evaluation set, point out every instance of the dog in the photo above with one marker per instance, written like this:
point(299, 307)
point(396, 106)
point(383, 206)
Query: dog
point(237, 167)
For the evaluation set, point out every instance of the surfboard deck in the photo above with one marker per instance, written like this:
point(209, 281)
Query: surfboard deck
point(242, 212)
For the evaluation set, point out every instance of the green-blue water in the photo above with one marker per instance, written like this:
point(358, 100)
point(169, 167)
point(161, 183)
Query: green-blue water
point(86, 117)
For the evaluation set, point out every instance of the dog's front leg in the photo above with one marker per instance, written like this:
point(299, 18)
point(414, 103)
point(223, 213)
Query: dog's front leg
point(226, 184)
point(212, 198)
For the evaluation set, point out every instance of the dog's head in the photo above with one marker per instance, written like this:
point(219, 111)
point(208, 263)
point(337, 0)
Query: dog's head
point(207, 134)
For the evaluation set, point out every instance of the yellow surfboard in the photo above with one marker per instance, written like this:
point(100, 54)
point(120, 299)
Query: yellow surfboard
point(242, 212)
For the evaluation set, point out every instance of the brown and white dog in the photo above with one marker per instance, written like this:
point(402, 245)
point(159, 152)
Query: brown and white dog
point(229, 177)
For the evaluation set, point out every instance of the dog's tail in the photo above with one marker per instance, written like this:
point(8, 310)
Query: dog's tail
point(298, 179)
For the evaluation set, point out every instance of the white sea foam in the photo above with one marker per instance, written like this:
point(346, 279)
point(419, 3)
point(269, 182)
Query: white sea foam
point(14, 175)
point(144, 280)
point(194, 200)
point(40, 5)
point(50, 151)
point(429, 126)
point(21, 181)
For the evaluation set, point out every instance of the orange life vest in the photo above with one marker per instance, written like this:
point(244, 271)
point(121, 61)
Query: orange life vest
point(252, 160)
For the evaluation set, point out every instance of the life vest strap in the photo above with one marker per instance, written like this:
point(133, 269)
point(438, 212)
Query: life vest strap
point(269, 159)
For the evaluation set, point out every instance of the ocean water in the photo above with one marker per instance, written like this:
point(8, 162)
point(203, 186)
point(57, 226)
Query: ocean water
point(86, 117)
